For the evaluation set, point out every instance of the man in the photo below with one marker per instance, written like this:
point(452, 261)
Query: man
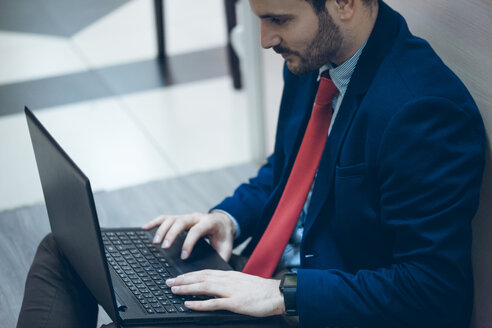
point(382, 236)
point(385, 229)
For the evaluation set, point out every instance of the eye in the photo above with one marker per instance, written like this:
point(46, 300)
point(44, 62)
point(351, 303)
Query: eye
point(278, 20)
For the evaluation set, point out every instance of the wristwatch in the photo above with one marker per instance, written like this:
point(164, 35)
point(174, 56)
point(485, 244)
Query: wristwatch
point(288, 287)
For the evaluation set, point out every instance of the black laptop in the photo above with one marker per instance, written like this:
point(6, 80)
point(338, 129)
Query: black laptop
point(122, 268)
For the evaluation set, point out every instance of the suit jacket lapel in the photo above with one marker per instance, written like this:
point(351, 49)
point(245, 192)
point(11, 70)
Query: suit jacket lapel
point(324, 180)
point(379, 43)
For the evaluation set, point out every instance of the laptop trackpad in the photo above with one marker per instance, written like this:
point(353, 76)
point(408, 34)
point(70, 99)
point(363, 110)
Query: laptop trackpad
point(202, 257)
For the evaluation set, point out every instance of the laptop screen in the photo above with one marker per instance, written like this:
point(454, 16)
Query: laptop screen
point(72, 214)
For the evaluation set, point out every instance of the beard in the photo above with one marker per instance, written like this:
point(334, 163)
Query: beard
point(322, 49)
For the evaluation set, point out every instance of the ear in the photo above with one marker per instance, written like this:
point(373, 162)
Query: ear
point(345, 9)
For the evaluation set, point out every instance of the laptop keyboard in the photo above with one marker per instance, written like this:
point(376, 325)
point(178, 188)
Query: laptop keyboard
point(144, 270)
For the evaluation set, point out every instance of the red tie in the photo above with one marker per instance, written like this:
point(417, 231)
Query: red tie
point(267, 253)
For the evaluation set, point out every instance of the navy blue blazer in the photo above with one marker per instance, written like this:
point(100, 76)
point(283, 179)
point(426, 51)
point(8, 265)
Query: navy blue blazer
point(389, 223)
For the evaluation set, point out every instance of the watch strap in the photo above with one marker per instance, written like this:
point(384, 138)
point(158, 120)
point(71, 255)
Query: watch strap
point(289, 293)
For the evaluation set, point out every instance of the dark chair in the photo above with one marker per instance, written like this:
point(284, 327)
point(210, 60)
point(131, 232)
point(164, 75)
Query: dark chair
point(230, 11)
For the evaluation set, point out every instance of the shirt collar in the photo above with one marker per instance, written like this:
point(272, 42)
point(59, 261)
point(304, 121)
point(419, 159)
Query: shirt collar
point(341, 74)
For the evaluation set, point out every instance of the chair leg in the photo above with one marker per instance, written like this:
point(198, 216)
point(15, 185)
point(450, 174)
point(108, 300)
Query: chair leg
point(160, 28)
point(230, 8)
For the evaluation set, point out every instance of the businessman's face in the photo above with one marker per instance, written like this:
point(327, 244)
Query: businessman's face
point(306, 40)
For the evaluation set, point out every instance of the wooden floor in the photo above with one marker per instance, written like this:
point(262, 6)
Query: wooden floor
point(22, 229)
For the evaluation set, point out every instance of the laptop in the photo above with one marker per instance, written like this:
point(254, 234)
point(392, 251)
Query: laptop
point(122, 268)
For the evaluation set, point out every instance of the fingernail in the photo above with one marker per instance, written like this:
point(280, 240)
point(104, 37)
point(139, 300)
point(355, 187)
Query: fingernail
point(188, 304)
point(166, 243)
point(184, 255)
point(156, 239)
point(174, 289)
point(170, 282)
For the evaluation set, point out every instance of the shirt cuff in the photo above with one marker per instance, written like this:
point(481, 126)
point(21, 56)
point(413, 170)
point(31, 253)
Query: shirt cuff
point(238, 229)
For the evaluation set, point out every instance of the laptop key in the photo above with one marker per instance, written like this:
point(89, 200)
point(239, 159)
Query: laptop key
point(160, 310)
point(170, 309)
point(111, 249)
point(181, 308)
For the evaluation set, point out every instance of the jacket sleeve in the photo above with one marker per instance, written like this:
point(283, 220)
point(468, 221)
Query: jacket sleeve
point(429, 170)
point(249, 199)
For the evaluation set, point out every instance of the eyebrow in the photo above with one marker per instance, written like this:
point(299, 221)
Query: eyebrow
point(275, 16)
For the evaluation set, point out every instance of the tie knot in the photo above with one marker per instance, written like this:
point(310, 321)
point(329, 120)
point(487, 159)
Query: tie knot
point(326, 91)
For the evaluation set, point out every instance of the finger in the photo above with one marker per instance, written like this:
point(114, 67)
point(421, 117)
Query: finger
point(178, 226)
point(154, 222)
point(196, 232)
point(224, 248)
point(161, 232)
point(209, 305)
point(200, 288)
point(197, 277)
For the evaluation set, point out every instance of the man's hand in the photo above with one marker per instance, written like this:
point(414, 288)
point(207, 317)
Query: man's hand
point(218, 227)
point(234, 291)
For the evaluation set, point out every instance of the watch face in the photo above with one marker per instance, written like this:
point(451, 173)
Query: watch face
point(290, 280)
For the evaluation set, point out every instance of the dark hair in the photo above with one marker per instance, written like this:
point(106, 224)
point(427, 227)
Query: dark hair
point(319, 5)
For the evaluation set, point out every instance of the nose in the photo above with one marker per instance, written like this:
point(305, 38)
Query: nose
point(269, 37)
